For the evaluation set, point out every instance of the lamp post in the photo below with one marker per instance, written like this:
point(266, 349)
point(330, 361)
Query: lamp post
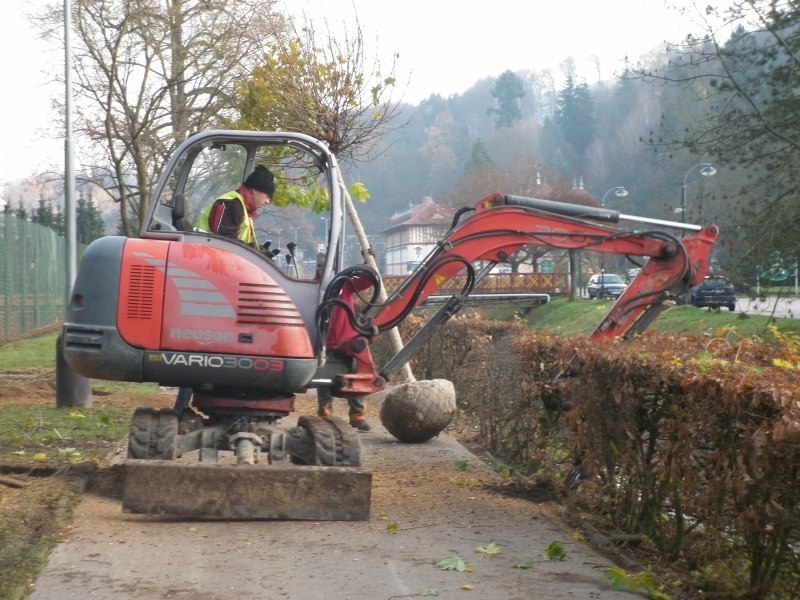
point(72, 389)
point(706, 170)
point(619, 191)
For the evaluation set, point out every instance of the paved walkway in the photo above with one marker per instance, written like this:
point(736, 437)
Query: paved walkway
point(424, 510)
point(785, 307)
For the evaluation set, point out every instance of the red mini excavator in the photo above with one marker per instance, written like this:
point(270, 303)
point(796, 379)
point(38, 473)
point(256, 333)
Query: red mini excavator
point(242, 334)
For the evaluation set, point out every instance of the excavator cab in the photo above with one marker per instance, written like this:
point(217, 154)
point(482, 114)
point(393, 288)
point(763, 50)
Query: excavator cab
point(210, 164)
point(234, 327)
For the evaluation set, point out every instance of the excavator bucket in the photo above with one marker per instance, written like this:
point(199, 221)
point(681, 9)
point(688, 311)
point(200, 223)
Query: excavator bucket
point(195, 489)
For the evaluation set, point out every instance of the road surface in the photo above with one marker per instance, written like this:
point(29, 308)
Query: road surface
point(787, 307)
point(438, 512)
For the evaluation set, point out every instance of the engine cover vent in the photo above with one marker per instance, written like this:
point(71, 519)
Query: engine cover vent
point(141, 286)
point(266, 304)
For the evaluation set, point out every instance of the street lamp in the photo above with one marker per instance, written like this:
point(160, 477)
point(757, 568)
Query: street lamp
point(706, 170)
point(619, 192)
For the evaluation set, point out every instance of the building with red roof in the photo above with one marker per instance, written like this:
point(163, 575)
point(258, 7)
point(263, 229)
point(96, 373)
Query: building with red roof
point(413, 233)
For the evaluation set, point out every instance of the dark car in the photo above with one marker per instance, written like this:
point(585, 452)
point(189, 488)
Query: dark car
point(716, 291)
point(605, 285)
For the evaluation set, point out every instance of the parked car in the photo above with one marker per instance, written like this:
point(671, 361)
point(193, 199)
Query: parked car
point(716, 291)
point(631, 274)
point(605, 285)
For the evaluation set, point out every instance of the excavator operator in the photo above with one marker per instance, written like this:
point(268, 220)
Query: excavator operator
point(233, 213)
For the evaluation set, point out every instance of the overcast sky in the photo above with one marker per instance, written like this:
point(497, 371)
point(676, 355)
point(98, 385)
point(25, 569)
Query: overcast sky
point(444, 47)
point(447, 45)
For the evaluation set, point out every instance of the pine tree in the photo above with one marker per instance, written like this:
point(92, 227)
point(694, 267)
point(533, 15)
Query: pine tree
point(508, 90)
point(44, 213)
point(95, 227)
point(478, 158)
point(89, 222)
point(575, 116)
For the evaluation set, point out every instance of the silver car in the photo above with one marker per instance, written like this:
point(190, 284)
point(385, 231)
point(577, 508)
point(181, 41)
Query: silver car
point(605, 285)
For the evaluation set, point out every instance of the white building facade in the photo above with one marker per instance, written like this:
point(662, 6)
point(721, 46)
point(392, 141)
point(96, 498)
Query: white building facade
point(412, 234)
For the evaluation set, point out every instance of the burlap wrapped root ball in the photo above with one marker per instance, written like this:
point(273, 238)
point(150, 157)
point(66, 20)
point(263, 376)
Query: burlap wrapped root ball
point(416, 412)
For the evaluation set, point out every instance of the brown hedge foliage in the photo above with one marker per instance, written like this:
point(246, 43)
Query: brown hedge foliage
point(693, 441)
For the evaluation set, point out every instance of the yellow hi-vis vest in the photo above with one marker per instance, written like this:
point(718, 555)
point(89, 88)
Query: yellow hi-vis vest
point(247, 230)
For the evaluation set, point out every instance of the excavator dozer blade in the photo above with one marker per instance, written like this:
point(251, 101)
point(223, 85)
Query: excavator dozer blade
point(288, 492)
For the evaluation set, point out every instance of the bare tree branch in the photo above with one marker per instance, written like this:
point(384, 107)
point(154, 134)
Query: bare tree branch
point(150, 72)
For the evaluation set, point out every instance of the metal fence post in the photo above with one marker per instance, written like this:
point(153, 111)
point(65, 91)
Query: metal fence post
point(71, 389)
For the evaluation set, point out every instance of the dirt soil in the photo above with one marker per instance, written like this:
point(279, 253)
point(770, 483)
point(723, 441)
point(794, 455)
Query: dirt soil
point(423, 510)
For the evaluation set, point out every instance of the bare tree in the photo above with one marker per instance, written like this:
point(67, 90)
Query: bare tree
point(148, 73)
point(735, 100)
point(325, 86)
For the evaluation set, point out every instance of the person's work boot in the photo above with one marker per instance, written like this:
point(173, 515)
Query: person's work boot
point(361, 425)
point(324, 411)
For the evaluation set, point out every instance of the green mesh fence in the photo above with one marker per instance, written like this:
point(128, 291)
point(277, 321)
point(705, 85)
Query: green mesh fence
point(32, 277)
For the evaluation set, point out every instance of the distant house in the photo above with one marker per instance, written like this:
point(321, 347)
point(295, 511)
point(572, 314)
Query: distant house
point(413, 233)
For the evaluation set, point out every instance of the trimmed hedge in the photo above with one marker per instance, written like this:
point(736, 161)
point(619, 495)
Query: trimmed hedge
point(693, 441)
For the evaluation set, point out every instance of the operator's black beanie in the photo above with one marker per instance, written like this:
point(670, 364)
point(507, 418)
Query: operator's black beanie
point(261, 179)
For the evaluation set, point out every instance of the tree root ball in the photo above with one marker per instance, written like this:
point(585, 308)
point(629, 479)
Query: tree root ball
point(416, 412)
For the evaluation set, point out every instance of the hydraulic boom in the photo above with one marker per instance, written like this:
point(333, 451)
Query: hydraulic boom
point(501, 225)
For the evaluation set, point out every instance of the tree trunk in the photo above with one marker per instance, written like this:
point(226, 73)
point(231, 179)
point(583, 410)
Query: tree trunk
point(573, 274)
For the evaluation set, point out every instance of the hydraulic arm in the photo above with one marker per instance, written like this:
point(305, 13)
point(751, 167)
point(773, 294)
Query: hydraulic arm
point(501, 225)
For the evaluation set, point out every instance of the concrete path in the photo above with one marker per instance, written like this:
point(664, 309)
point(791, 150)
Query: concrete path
point(438, 510)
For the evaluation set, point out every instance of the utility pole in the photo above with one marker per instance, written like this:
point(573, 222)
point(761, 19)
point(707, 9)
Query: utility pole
point(72, 389)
